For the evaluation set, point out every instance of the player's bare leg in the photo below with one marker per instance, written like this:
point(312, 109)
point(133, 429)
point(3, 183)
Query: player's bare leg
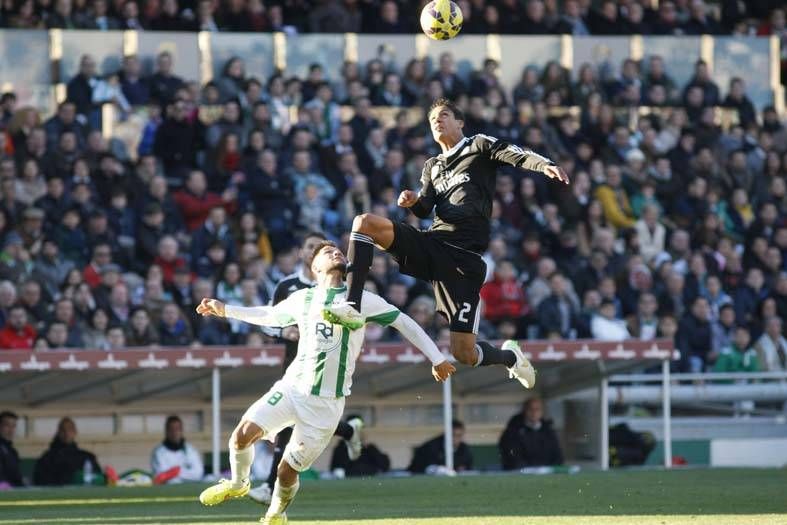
point(241, 447)
point(287, 485)
point(367, 231)
point(469, 351)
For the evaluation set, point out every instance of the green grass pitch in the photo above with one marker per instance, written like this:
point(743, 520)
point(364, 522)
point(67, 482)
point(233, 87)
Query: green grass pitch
point(697, 497)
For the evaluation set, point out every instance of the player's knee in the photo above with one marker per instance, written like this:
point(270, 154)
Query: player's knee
point(364, 223)
point(244, 435)
point(465, 354)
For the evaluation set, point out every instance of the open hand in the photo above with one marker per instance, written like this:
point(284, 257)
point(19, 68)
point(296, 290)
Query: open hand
point(442, 371)
point(208, 307)
point(556, 172)
point(407, 199)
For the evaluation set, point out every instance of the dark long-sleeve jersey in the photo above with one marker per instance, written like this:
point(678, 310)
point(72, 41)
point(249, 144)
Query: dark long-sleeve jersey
point(460, 185)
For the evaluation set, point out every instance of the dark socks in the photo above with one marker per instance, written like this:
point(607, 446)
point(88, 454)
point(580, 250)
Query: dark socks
point(360, 253)
point(344, 431)
point(494, 356)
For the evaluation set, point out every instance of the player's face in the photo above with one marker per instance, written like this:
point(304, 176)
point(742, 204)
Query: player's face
point(444, 123)
point(329, 259)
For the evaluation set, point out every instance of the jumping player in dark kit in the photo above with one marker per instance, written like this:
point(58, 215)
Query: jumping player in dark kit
point(459, 184)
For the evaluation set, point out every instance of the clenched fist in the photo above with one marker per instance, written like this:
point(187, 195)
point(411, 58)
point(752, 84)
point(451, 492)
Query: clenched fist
point(208, 307)
point(407, 199)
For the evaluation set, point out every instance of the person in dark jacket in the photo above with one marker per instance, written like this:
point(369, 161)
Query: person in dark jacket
point(80, 88)
point(10, 472)
point(177, 141)
point(433, 452)
point(694, 337)
point(529, 440)
point(372, 460)
point(62, 462)
point(556, 314)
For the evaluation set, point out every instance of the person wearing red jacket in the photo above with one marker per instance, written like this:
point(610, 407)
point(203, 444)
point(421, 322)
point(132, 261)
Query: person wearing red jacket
point(168, 258)
point(17, 334)
point(195, 201)
point(503, 296)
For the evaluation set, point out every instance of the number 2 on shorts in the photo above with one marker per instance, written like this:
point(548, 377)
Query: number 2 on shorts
point(275, 398)
point(464, 311)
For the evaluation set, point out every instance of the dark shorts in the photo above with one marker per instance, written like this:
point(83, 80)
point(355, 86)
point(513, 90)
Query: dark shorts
point(455, 273)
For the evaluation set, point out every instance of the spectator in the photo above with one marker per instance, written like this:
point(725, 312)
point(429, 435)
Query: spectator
point(17, 334)
point(749, 295)
point(173, 329)
point(702, 79)
point(64, 463)
point(694, 337)
point(140, 331)
point(62, 16)
point(651, 233)
point(432, 453)
point(371, 462)
point(196, 202)
point(605, 326)
point(557, 314)
point(134, 86)
point(80, 88)
point(177, 139)
point(614, 200)
point(94, 336)
point(175, 460)
point(529, 440)
point(643, 324)
point(10, 472)
point(723, 329)
point(738, 356)
point(503, 297)
point(771, 347)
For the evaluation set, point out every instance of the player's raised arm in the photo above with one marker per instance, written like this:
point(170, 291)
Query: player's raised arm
point(259, 315)
point(513, 155)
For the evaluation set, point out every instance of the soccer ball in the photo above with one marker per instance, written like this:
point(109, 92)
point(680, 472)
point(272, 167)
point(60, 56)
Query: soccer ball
point(441, 19)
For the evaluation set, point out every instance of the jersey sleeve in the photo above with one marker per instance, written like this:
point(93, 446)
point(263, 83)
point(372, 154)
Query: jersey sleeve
point(426, 197)
point(378, 310)
point(505, 153)
point(283, 314)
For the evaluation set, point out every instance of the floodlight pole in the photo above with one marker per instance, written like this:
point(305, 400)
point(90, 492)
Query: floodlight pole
point(666, 410)
point(448, 429)
point(216, 411)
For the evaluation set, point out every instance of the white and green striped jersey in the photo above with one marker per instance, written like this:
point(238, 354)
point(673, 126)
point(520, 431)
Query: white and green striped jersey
point(327, 353)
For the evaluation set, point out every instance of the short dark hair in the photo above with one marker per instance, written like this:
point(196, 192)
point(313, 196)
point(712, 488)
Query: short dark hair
point(172, 419)
point(457, 424)
point(319, 247)
point(8, 414)
point(448, 104)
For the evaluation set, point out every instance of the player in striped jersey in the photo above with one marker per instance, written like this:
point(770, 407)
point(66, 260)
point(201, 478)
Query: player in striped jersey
point(311, 394)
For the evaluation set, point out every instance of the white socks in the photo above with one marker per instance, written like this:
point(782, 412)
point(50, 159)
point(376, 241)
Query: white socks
point(282, 497)
point(240, 464)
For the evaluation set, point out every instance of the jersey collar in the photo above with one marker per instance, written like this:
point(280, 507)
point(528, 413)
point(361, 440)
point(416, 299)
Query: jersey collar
point(459, 145)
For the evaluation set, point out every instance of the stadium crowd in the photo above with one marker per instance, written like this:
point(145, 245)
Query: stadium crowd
point(577, 17)
point(673, 226)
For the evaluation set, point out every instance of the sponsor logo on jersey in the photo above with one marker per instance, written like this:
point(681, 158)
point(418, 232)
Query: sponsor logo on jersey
point(325, 330)
point(450, 181)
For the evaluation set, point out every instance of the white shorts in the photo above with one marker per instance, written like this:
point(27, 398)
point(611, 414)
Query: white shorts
point(314, 419)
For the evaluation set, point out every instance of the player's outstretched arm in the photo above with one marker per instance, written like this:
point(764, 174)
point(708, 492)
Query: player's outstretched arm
point(526, 159)
point(441, 368)
point(259, 315)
